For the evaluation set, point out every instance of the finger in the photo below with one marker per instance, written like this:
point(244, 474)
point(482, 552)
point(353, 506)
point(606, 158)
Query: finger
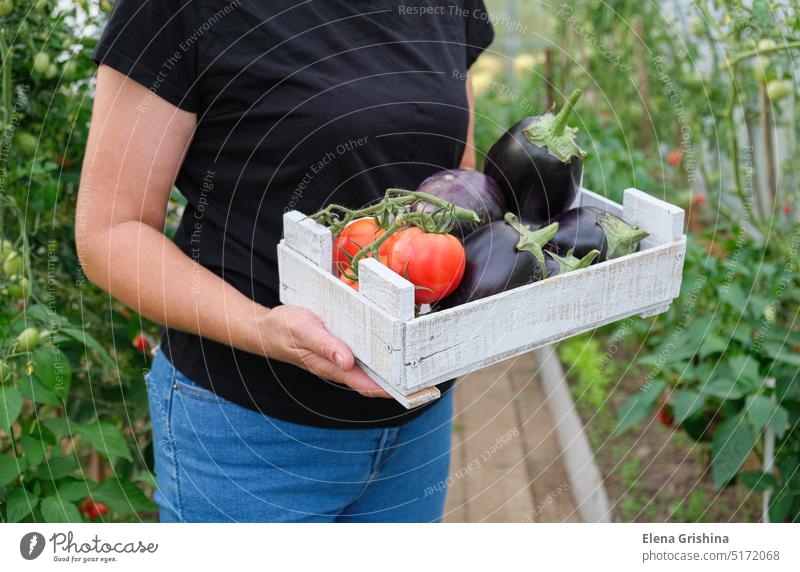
point(318, 339)
point(359, 381)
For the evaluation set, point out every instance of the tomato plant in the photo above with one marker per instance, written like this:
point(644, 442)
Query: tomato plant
point(73, 405)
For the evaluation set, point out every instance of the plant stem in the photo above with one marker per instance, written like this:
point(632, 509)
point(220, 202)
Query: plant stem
point(372, 247)
point(764, 51)
point(566, 111)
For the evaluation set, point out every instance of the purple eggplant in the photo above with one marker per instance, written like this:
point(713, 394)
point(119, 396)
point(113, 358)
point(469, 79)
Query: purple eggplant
point(556, 264)
point(500, 256)
point(538, 164)
point(468, 189)
point(584, 229)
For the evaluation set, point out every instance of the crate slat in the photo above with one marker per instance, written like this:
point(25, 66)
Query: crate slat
point(457, 340)
point(374, 337)
point(662, 220)
point(386, 289)
point(308, 238)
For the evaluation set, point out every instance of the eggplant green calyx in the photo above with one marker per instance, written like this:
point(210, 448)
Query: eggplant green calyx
point(532, 240)
point(570, 262)
point(621, 237)
point(551, 131)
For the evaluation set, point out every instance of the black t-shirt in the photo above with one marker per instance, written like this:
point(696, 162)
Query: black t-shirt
point(299, 104)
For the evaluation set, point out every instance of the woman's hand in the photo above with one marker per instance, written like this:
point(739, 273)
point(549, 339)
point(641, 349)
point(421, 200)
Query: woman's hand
point(297, 336)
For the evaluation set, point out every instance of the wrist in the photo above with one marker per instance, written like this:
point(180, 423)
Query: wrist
point(255, 334)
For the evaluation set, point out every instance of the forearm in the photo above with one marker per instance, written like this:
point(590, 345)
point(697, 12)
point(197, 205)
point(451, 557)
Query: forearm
point(142, 268)
point(468, 158)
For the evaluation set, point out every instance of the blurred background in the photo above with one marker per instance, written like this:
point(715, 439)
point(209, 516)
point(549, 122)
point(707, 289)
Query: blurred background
point(690, 416)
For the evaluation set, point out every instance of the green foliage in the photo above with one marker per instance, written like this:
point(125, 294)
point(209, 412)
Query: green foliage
point(590, 367)
point(651, 118)
point(65, 398)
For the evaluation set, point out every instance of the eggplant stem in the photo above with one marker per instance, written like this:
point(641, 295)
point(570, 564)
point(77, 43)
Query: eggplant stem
point(533, 240)
point(570, 262)
point(566, 111)
point(621, 237)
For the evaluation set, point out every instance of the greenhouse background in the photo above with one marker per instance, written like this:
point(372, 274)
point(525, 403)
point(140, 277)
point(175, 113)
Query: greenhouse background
point(689, 416)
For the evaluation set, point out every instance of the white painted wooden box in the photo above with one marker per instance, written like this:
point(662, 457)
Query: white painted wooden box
point(408, 356)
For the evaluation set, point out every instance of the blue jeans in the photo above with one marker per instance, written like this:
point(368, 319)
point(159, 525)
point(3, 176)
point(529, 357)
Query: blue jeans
point(216, 461)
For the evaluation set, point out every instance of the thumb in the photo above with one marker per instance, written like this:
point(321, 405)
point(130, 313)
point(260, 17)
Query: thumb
point(323, 343)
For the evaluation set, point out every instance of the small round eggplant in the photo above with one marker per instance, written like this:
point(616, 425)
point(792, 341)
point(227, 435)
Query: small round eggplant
point(538, 164)
point(562, 264)
point(584, 229)
point(468, 189)
point(501, 256)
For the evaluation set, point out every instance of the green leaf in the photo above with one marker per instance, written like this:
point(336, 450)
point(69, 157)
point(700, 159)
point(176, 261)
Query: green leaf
point(86, 339)
point(780, 353)
point(722, 388)
point(745, 369)
point(732, 443)
point(57, 468)
point(59, 426)
point(789, 468)
point(33, 390)
point(779, 422)
point(122, 497)
point(10, 407)
point(19, 504)
point(11, 468)
point(639, 406)
point(72, 490)
point(759, 409)
point(758, 481)
point(54, 510)
point(687, 402)
point(734, 296)
point(779, 505)
point(51, 368)
point(107, 439)
point(34, 449)
point(712, 345)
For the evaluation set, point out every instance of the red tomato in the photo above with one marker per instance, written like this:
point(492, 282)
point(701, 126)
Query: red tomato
point(92, 510)
point(665, 416)
point(699, 199)
point(352, 283)
point(141, 343)
point(354, 237)
point(787, 209)
point(433, 262)
point(675, 157)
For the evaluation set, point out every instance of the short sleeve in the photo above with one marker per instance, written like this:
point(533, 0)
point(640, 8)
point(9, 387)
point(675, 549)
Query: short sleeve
point(480, 32)
point(155, 43)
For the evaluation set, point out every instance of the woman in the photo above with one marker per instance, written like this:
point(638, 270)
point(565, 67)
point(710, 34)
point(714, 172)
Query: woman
point(251, 109)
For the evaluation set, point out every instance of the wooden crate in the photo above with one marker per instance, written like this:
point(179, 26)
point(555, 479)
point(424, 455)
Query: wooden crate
point(408, 356)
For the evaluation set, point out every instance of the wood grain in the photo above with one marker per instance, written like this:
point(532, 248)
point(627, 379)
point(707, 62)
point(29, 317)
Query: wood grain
point(309, 239)
point(374, 337)
point(455, 341)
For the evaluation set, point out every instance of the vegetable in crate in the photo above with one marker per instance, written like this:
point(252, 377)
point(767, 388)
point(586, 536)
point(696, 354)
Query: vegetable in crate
point(562, 264)
point(538, 164)
point(414, 243)
point(584, 229)
point(468, 189)
point(433, 262)
point(355, 236)
point(501, 256)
